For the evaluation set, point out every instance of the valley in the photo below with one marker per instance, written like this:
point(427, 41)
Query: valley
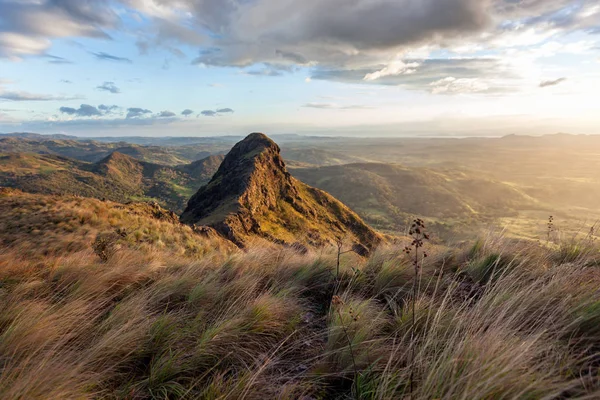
point(460, 186)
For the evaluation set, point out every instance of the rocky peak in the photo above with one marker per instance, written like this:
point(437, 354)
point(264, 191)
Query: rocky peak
point(253, 194)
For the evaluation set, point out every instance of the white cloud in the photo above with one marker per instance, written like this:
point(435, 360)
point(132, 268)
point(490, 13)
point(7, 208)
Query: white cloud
point(451, 85)
point(397, 67)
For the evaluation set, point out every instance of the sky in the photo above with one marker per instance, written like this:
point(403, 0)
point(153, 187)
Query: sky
point(331, 67)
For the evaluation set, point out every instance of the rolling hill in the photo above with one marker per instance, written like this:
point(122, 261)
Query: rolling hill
point(117, 177)
point(94, 151)
point(387, 195)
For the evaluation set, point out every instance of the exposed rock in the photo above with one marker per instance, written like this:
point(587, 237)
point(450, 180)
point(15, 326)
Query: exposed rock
point(253, 194)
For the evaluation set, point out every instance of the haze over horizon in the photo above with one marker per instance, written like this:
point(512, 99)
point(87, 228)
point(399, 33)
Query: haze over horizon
point(360, 68)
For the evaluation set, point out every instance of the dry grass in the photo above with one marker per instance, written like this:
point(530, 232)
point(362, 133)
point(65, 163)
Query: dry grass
point(42, 226)
point(496, 320)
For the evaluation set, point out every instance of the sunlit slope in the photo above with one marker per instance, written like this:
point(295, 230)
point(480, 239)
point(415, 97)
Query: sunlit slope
point(386, 194)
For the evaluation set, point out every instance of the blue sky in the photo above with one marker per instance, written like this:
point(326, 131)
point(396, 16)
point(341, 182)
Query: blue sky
point(360, 67)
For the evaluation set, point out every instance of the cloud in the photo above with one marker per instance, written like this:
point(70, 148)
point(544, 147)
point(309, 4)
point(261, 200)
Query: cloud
point(187, 112)
point(57, 60)
point(136, 112)
point(295, 57)
point(110, 57)
point(84, 110)
point(167, 33)
point(335, 38)
point(331, 32)
point(452, 85)
point(268, 38)
point(166, 114)
point(216, 113)
point(554, 82)
point(102, 124)
point(265, 71)
point(398, 67)
point(28, 27)
point(334, 106)
point(26, 96)
point(338, 32)
point(430, 71)
point(68, 82)
point(108, 109)
point(109, 87)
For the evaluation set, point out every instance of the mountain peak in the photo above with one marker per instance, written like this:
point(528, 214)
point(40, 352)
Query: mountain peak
point(252, 146)
point(253, 194)
point(257, 139)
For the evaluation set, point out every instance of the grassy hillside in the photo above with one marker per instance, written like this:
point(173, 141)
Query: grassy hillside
point(40, 226)
point(318, 157)
point(388, 195)
point(117, 177)
point(171, 315)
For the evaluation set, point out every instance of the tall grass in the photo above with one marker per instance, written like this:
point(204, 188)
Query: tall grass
point(501, 319)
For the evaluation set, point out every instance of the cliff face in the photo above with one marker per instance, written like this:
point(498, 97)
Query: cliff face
point(253, 194)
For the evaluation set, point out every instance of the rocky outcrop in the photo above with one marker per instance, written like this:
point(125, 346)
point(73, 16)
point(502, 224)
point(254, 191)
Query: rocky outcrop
point(253, 194)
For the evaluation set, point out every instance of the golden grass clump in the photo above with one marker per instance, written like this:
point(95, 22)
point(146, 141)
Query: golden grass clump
point(495, 319)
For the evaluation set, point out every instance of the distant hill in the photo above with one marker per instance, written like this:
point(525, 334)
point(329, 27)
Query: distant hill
point(93, 151)
point(117, 177)
point(166, 151)
point(386, 195)
point(317, 157)
point(253, 194)
point(37, 136)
